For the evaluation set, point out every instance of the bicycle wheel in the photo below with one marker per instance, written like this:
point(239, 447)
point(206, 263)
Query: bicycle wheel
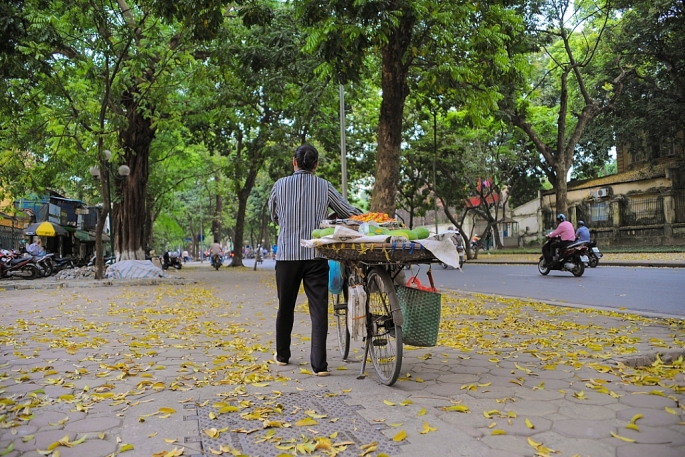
point(339, 302)
point(385, 338)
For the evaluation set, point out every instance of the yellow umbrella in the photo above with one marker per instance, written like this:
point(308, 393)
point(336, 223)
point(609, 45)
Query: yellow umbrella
point(45, 229)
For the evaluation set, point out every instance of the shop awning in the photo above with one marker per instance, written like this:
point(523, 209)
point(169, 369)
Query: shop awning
point(88, 237)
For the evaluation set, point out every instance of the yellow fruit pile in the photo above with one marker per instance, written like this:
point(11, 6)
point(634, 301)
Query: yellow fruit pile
point(376, 217)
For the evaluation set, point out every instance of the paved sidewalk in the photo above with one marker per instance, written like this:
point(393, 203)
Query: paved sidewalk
point(142, 370)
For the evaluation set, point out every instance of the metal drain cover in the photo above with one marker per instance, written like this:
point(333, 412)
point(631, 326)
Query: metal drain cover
point(245, 432)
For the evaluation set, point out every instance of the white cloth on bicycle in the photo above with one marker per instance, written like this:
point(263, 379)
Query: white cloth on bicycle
point(439, 245)
point(356, 312)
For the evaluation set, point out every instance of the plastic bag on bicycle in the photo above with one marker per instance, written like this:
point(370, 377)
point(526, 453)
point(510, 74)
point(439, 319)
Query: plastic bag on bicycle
point(356, 312)
point(335, 278)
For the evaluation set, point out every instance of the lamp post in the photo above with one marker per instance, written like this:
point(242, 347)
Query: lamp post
point(123, 171)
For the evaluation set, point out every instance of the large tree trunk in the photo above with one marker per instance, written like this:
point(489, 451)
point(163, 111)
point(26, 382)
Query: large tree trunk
point(218, 216)
point(240, 228)
point(395, 90)
point(129, 214)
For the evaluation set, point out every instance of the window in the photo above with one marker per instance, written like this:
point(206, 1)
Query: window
point(599, 212)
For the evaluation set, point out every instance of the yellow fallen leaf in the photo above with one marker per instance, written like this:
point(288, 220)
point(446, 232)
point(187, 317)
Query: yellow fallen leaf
point(341, 368)
point(406, 402)
point(427, 429)
point(622, 438)
point(458, 408)
point(533, 443)
point(422, 412)
point(671, 411)
point(307, 421)
point(399, 424)
point(492, 425)
point(419, 379)
point(260, 384)
point(126, 447)
point(305, 371)
point(388, 402)
point(167, 410)
point(498, 432)
point(400, 436)
point(529, 424)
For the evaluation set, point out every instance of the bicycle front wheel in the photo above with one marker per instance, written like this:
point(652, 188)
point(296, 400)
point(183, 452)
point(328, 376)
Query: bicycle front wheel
point(339, 302)
point(384, 337)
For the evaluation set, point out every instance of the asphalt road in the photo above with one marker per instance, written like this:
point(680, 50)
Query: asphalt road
point(655, 290)
point(648, 290)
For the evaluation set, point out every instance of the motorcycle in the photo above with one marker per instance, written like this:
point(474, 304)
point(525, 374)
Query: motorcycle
point(44, 264)
point(20, 267)
point(593, 254)
point(573, 258)
point(63, 263)
point(460, 253)
point(170, 260)
point(216, 261)
point(108, 261)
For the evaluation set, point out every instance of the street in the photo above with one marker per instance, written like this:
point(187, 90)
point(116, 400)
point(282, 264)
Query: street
point(654, 290)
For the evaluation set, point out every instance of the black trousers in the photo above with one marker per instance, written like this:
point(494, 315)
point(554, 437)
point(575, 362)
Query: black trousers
point(550, 247)
point(289, 275)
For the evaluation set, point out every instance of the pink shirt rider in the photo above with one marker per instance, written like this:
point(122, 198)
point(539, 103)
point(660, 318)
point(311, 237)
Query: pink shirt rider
point(565, 231)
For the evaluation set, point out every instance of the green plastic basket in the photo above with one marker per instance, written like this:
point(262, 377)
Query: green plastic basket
point(421, 311)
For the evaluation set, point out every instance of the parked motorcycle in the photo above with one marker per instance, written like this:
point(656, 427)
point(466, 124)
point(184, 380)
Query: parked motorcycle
point(44, 264)
point(573, 258)
point(216, 261)
point(108, 261)
point(170, 259)
point(20, 267)
point(593, 254)
point(63, 263)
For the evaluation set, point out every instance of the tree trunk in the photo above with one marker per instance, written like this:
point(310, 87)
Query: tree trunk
point(561, 188)
point(395, 68)
point(218, 216)
point(129, 214)
point(239, 229)
point(149, 219)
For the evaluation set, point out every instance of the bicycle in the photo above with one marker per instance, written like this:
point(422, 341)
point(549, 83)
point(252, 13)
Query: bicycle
point(383, 341)
point(377, 268)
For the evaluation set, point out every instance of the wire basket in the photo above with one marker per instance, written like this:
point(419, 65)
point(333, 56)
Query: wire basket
point(421, 311)
point(407, 252)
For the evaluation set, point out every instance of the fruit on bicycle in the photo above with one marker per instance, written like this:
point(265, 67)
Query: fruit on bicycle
point(422, 232)
point(408, 234)
point(316, 233)
point(326, 232)
point(376, 217)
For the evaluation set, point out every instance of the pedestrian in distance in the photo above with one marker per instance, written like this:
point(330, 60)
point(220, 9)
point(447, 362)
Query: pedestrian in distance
point(298, 203)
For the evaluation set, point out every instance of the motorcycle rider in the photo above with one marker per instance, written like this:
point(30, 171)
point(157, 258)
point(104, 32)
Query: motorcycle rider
point(583, 233)
point(565, 231)
point(215, 248)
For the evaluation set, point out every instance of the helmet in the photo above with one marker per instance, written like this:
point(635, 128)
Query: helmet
point(561, 218)
point(581, 223)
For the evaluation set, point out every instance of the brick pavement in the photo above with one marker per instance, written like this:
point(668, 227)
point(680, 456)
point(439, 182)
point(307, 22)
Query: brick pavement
point(131, 364)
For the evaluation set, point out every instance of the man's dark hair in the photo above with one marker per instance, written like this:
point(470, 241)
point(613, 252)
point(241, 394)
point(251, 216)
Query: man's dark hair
point(306, 157)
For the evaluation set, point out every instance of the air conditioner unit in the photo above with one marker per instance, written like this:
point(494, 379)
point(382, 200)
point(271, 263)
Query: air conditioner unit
point(602, 193)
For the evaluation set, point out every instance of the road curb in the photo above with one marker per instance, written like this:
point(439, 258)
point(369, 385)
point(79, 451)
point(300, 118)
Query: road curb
point(73, 284)
point(611, 263)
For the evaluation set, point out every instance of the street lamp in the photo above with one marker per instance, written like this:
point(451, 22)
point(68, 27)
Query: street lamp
point(123, 171)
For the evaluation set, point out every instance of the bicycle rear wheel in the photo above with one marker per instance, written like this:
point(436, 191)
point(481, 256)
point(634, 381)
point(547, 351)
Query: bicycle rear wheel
point(339, 302)
point(384, 337)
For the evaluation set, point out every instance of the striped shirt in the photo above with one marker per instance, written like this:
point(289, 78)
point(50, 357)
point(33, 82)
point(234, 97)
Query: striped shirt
point(298, 203)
